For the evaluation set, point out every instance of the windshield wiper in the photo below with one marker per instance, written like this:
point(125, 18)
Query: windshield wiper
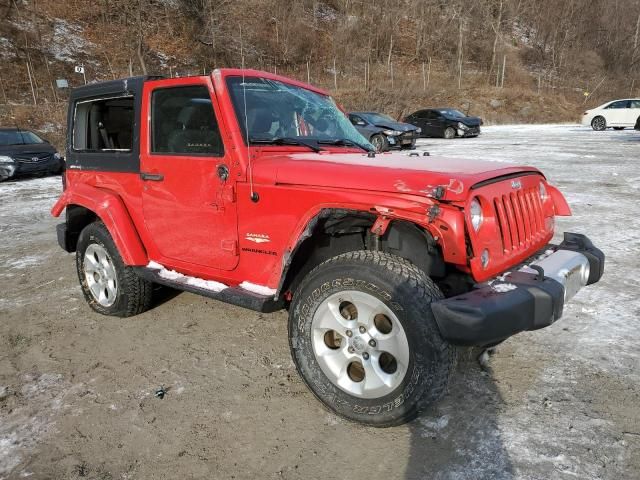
point(344, 141)
point(285, 141)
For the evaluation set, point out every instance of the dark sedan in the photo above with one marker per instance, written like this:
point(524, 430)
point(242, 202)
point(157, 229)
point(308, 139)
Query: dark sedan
point(383, 131)
point(445, 123)
point(22, 152)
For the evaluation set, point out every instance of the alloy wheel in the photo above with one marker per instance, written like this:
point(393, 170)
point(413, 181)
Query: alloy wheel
point(599, 123)
point(360, 344)
point(100, 275)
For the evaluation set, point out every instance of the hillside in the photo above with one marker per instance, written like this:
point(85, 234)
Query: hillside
point(505, 60)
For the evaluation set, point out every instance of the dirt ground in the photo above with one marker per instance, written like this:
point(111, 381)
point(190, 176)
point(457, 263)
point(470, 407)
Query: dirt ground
point(77, 389)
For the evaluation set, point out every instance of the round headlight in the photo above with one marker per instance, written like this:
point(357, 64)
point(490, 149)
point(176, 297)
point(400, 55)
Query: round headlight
point(475, 211)
point(543, 192)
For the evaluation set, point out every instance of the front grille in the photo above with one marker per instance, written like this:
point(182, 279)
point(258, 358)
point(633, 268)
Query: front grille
point(409, 135)
point(520, 219)
point(32, 158)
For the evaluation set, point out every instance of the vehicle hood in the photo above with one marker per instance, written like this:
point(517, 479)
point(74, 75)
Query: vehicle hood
point(402, 127)
point(468, 121)
point(35, 148)
point(388, 172)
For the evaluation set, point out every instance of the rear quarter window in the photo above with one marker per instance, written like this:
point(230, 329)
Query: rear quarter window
point(104, 125)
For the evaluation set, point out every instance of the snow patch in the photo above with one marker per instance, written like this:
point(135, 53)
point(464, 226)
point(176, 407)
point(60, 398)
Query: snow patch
point(49, 127)
point(6, 48)
point(164, 59)
point(67, 41)
point(26, 262)
point(435, 424)
point(259, 289)
point(503, 287)
point(23, 428)
point(186, 279)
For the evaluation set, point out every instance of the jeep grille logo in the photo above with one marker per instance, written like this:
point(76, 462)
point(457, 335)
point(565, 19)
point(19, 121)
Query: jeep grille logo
point(516, 184)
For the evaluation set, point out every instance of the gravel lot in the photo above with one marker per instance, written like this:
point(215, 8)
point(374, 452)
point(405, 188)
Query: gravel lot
point(77, 389)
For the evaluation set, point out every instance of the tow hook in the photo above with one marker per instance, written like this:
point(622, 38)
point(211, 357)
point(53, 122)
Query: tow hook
point(540, 276)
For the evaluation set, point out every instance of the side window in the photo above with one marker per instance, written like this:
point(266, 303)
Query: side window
point(619, 104)
point(183, 122)
point(432, 115)
point(104, 124)
point(635, 104)
point(356, 120)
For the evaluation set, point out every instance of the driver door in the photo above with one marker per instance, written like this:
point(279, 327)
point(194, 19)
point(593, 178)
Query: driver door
point(188, 199)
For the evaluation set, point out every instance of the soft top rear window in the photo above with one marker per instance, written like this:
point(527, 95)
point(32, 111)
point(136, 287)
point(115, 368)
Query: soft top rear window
point(104, 124)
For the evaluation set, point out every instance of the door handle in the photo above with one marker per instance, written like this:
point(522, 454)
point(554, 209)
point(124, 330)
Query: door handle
point(154, 177)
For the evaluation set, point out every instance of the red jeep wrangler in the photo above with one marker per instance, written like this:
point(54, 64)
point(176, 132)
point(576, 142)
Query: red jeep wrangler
point(255, 189)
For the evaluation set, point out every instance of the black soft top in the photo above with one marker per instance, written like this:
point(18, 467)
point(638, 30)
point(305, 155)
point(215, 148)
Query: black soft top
point(120, 161)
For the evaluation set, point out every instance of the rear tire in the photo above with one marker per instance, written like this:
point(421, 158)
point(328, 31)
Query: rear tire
point(109, 286)
point(385, 360)
point(599, 123)
point(449, 133)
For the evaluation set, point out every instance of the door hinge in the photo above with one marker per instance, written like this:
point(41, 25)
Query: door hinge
point(228, 194)
point(230, 246)
point(224, 196)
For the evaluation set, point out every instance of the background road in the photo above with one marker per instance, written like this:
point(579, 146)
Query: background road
point(76, 388)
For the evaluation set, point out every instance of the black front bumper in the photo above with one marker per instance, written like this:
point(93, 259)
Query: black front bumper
point(405, 140)
point(471, 132)
point(485, 316)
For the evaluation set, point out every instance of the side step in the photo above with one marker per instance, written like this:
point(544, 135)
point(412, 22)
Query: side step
point(233, 295)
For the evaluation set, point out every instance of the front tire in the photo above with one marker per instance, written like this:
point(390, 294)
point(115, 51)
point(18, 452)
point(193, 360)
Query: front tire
point(599, 123)
point(449, 133)
point(364, 339)
point(109, 286)
point(379, 142)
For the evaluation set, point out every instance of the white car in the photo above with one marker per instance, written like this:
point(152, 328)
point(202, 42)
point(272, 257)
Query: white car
point(617, 114)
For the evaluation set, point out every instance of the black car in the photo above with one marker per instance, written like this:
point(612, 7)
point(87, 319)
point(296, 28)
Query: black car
point(383, 131)
point(22, 152)
point(445, 122)
point(637, 127)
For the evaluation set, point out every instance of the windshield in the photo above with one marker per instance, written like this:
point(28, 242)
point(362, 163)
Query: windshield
point(18, 137)
point(276, 110)
point(451, 112)
point(376, 118)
